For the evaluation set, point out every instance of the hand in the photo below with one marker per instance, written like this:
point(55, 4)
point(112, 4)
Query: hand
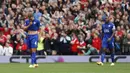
point(30, 23)
point(72, 42)
point(15, 42)
point(20, 47)
point(88, 45)
point(21, 31)
point(22, 26)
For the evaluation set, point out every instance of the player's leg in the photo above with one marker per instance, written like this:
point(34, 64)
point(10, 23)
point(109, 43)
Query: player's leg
point(34, 41)
point(29, 47)
point(112, 56)
point(35, 47)
point(112, 51)
point(33, 57)
point(103, 55)
point(103, 50)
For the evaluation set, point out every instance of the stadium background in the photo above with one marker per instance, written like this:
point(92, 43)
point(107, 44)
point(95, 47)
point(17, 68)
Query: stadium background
point(62, 20)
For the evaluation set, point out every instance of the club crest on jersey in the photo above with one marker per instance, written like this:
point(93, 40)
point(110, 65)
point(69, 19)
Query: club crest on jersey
point(34, 22)
point(109, 25)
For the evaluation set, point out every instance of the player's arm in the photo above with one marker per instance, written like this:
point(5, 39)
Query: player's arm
point(102, 32)
point(25, 27)
point(113, 30)
point(112, 35)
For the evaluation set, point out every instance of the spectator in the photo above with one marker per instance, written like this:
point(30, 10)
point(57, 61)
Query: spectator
point(96, 42)
point(47, 44)
point(40, 49)
point(21, 48)
point(2, 38)
point(55, 44)
point(45, 18)
point(81, 46)
point(8, 50)
point(84, 3)
point(1, 50)
point(128, 44)
point(64, 44)
point(74, 44)
point(15, 40)
point(3, 20)
point(125, 45)
point(119, 32)
point(37, 14)
point(118, 45)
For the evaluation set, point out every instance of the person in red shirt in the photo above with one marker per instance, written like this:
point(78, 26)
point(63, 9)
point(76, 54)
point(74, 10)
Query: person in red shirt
point(6, 30)
point(74, 44)
point(84, 3)
point(2, 38)
point(21, 48)
point(119, 32)
point(95, 47)
point(117, 1)
point(96, 42)
point(81, 46)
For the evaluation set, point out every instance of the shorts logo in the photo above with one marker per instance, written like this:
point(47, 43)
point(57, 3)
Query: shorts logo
point(35, 43)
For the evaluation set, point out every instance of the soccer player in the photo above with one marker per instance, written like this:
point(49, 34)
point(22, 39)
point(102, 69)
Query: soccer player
point(32, 26)
point(108, 30)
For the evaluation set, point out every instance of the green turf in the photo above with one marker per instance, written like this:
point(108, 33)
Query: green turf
point(65, 68)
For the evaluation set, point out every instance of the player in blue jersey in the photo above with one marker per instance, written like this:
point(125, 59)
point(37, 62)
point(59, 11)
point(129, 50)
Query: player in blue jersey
point(32, 26)
point(108, 31)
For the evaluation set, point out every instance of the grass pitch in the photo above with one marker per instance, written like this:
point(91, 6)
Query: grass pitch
point(65, 68)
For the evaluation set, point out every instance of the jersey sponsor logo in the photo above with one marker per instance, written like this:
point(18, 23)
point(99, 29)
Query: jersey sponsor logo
point(106, 30)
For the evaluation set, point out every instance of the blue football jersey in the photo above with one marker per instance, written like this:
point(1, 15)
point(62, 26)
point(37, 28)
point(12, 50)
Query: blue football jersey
point(35, 24)
point(107, 29)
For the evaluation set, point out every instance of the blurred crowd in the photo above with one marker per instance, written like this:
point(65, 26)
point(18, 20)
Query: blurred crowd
point(68, 27)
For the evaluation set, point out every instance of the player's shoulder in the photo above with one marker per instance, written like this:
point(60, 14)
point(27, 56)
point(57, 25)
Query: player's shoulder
point(103, 24)
point(113, 26)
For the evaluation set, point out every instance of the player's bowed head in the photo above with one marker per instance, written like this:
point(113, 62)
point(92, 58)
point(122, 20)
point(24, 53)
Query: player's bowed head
point(108, 19)
point(30, 15)
point(31, 18)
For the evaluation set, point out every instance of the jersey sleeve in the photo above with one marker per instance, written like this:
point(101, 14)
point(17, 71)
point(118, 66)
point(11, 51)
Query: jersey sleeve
point(26, 23)
point(113, 27)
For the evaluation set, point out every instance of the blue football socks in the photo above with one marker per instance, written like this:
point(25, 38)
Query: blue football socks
point(33, 58)
point(102, 57)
